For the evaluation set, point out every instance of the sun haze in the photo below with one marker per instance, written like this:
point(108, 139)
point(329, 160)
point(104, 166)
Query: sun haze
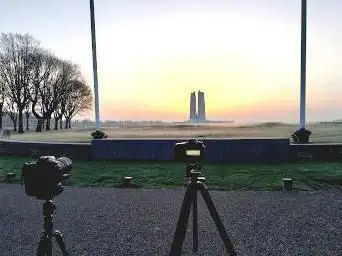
point(245, 55)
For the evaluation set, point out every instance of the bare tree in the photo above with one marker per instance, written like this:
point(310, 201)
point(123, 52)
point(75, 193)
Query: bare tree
point(16, 61)
point(70, 74)
point(79, 101)
point(51, 86)
point(44, 77)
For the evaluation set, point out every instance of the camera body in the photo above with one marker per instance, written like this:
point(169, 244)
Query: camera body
point(43, 178)
point(192, 153)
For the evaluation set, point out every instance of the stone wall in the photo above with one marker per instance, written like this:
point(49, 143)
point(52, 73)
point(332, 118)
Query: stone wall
point(36, 149)
point(328, 152)
point(217, 151)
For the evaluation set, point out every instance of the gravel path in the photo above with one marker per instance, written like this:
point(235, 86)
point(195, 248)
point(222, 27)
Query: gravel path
point(98, 221)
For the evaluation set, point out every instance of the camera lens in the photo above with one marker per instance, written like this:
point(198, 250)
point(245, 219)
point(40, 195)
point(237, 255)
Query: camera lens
point(64, 164)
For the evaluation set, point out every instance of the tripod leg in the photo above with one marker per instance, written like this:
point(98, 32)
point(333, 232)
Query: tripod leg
point(213, 212)
point(45, 246)
point(195, 220)
point(48, 243)
point(41, 246)
point(182, 224)
point(60, 242)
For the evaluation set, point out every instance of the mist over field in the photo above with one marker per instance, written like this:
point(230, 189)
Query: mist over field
point(81, 132)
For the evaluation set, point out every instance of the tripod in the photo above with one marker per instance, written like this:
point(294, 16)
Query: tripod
point(45, 243)
point(190, 197)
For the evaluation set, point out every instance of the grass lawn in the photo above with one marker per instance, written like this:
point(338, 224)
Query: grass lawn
point(219, 176)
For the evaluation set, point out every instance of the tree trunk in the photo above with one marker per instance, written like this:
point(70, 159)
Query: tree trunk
point(48, 121)
point(69, 125)
point(27, 122)
point(39, 124)
point(61, 123)
point(56, 124)
point(66, 123)
point(21, 121)
point(1, 114)
point(14, 124)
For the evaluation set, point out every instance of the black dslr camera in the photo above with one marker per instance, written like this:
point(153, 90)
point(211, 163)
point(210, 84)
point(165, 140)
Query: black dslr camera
point(192, 153)
point(43, 178)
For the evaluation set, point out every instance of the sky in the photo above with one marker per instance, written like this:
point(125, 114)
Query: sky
point(244, 54)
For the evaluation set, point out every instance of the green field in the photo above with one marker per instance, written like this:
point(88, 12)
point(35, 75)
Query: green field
point(306, 176)
point(321, 132)
point(219, 176)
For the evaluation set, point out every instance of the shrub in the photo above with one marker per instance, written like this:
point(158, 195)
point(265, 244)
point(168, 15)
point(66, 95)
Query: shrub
point(99, 135)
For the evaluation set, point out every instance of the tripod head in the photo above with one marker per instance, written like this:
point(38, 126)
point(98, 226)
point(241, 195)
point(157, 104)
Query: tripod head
point(194, 175)
point(192, 153)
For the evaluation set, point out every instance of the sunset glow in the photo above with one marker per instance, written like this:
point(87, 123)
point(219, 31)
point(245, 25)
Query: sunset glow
point(245, 56)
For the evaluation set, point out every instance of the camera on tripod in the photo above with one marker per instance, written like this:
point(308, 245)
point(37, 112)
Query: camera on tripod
point(44, 178)
point(192, 153)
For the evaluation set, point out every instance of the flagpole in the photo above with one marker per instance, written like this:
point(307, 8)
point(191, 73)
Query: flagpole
point(303, 66)
point(302, 135)
point(93, 40)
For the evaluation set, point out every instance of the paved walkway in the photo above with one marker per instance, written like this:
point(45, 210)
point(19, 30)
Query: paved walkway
point(98, 221)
